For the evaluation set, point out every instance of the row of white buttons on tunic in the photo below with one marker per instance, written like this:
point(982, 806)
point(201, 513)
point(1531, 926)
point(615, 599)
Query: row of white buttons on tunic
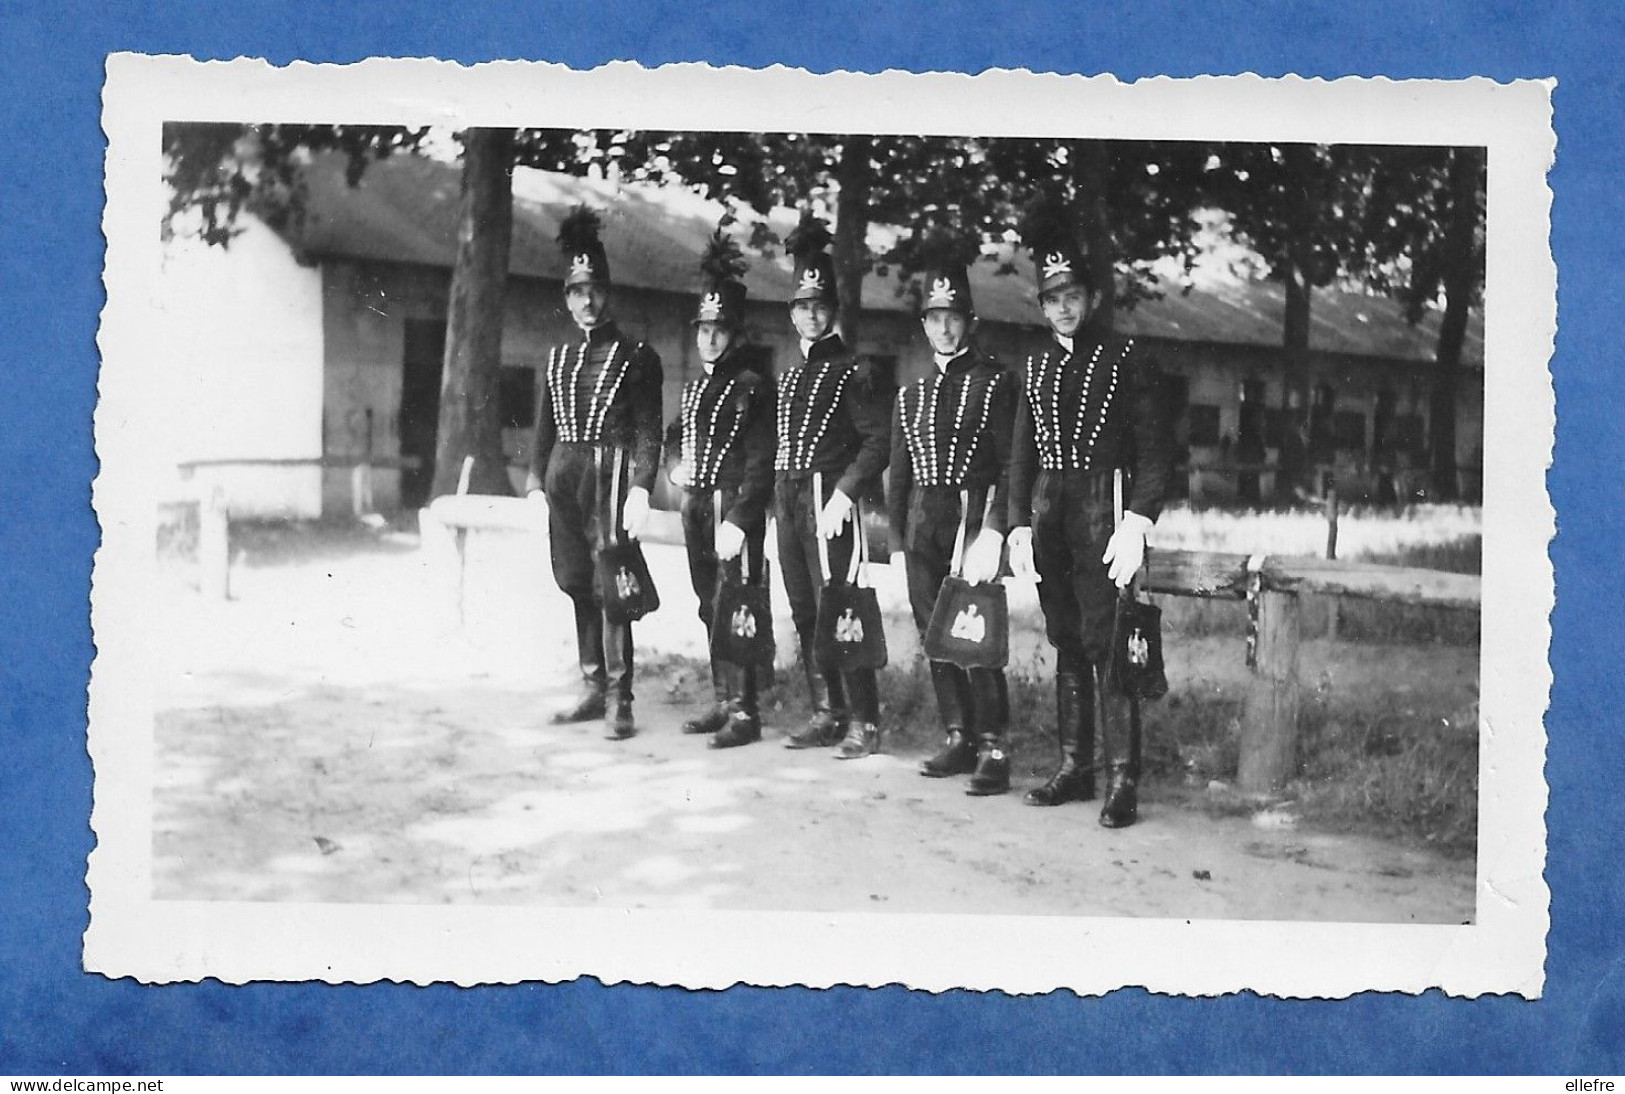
point(567, 417)
point(921, 430)
point(1044, 387)
point(796, 454)
point(700, 463)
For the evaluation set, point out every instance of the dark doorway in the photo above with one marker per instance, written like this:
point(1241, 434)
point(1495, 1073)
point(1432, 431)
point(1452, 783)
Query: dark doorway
point(1247, 487)
point(421, 365)
point(1250, 427)
point(1174, 392)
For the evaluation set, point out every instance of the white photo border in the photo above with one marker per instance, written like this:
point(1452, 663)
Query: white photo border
point(1502, 951)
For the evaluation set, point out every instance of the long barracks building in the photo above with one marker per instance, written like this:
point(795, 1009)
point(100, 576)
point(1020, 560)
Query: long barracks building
point(304, 365)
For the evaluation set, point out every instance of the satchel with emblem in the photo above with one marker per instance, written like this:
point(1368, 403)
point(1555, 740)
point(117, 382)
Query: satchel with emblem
point(623, 574)
point(849, 634)
point(1137, 667)
point(742, 616)
point(1137, 649)
point(970, 624)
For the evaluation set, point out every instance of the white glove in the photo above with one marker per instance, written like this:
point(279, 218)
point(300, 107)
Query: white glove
point(1125, 551)
point(537, 500)
point(730, 541)
point(982, 557)
point(635, 514)
point(1021, 554)
point(834, 516)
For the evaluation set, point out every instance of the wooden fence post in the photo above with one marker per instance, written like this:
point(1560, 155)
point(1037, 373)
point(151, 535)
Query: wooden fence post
point(1269, 719)
point(1334, 605)
point(214, 544)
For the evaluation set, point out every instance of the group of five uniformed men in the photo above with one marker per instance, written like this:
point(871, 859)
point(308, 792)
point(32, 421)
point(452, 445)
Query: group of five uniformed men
point(1013, 464)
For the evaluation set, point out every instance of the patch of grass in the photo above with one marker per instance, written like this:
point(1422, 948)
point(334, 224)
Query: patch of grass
point(1462, 555)
point(1368, 766)
point(1404, 773)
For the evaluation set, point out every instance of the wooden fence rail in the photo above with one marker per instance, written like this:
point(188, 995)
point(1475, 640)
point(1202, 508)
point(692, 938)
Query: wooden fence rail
point(1272, 586)
point(1223, 576)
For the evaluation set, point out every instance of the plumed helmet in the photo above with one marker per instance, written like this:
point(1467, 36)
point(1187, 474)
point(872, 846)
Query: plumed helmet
point(1047, 229)
point(722, 293)
point(943, 258)
point(814, 268)
point(585, 262)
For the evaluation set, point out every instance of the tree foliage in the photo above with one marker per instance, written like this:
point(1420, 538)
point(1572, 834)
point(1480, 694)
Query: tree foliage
point(1405, 222)
point(216, 170)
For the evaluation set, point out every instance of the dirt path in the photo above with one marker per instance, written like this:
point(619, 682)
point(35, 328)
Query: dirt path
point(317, 742)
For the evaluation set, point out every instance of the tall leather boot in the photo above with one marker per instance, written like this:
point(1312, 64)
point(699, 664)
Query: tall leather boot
point(618, 722)
point(1120, 743)
point(992, 774)
point(744, 723)
point(826, 725)
point(863, 724)
point(590, 652)
point(1074, 780)
point(716, 716)
point(958, 753)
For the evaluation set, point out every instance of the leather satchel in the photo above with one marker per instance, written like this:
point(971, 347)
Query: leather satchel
point(970, 624)
point(1137, 648)
point(628, 591)
point(1137, 666)
point(849, 634)
point(742, 613)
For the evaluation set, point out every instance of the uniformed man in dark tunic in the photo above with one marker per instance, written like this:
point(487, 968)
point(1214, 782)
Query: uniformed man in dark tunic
point(831, 430)
point(950, 461)
point(724, 463)
point(1088, 407)
point(596, 454)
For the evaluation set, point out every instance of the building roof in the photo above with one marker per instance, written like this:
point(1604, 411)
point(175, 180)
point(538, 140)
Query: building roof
point(405, 210)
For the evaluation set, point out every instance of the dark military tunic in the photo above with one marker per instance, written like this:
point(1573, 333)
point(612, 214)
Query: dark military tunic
point(1083, 413)
point(831, 421)
point(950, 439)
point(724, 453)
point(600, 407)
point(951, 433)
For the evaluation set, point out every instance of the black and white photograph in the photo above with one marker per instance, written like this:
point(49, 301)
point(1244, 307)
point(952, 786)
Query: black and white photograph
point(697, 527)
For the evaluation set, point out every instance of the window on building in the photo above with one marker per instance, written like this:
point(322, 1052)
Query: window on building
point(885, 370)
point(757, 358)
point(1407, 436)
point(1274, 426)
point(1204, 424)
point(1348, 430)
point(516, 397)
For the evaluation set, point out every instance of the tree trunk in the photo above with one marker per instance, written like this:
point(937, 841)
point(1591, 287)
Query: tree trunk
point(469, 421)
point(851, 250)
point(1094, 180)
point(1297, 277)
point(1297, 406)
point(1461, 276)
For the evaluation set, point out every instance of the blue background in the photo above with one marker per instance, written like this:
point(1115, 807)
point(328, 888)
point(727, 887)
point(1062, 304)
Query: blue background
point(54, 1019)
